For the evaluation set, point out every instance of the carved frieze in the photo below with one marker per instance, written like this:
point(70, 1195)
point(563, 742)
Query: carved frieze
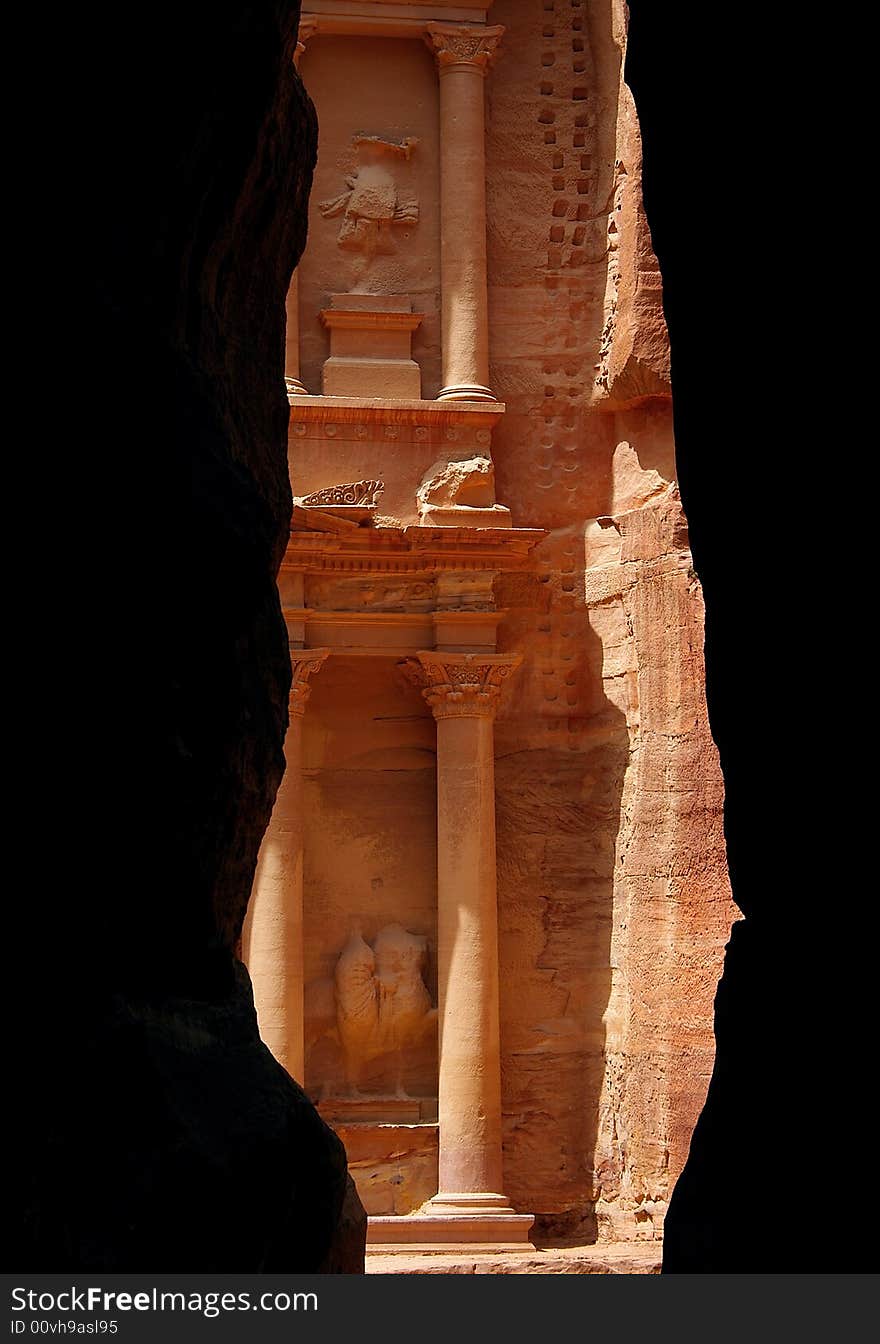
point(357, 594)
point(377, 430)
point(415, 549)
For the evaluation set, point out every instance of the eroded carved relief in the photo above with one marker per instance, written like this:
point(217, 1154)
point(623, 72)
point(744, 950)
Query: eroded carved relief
point(369, 593)
point(470, 483)
point(355, 492)
point(461, 494)
point(466, 590)
point(380, 1003)
point(304, 663)
point(373, 199)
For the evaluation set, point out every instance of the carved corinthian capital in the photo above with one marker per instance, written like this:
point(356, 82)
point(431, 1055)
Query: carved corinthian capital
point(303, 663)
point(308, 26)
point(462, 685)
point(459, 44)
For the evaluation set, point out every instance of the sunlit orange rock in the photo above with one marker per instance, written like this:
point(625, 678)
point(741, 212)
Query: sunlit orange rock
point(505, 756)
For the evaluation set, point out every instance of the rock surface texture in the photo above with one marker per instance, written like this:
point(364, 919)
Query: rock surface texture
point(613, 891)
point(168, 1137)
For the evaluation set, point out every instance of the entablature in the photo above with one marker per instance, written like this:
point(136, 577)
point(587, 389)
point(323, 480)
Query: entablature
point(388, 591)
point(345, 546)
point(383, 18)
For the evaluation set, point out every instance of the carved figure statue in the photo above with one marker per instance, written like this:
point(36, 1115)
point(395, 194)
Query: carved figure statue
point(357, 1008)
point(372, 201)
point(404, 1002)
point(382, 1003)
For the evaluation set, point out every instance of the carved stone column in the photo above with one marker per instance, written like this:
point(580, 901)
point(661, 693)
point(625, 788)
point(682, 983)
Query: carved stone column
point(463, 56)
point(272, 939)
point(295, 388)
point(463, 691)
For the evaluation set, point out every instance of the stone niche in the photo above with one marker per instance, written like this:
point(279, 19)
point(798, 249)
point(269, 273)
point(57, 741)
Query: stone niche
point(374, 235)
point(369, 926)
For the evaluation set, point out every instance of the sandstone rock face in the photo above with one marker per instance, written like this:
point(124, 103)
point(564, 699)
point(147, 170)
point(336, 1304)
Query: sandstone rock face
point(395, 1165)
point(613, 891)
point(539, 529)
point(168, 1137)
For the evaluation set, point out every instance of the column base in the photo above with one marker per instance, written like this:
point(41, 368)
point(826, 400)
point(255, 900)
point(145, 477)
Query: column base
point(469, 1201)
point(466, 392)
point(450, 1222)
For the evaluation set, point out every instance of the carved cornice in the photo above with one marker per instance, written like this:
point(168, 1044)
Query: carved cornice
point(461, 45)
point(345, 548)
point(303, 664)
point(341, 319)
point(461, 685)
point(391, 18)
point(316, 410)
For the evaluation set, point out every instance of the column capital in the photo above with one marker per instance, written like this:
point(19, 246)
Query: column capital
point(455, 45)
point(462, 685)
point(308, 26)
point(304, 663)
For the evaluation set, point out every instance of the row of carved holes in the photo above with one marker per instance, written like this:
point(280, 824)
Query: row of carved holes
point(586, 161)
point(564, 435)
point(579, 93)
point(547, 117)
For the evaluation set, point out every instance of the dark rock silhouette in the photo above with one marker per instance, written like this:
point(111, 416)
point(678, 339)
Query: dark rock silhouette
point(162, 1135)
point(753, 1197)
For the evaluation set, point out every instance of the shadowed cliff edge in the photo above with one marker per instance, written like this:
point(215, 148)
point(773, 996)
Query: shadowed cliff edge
point(165, 1136)
point(758, 1193)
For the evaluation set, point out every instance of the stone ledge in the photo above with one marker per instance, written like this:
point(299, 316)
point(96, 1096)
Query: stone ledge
point(607, 1258)
point(393, 410)
point(443, 1233)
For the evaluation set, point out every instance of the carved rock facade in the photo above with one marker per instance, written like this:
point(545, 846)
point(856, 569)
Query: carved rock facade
point(554, 836)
